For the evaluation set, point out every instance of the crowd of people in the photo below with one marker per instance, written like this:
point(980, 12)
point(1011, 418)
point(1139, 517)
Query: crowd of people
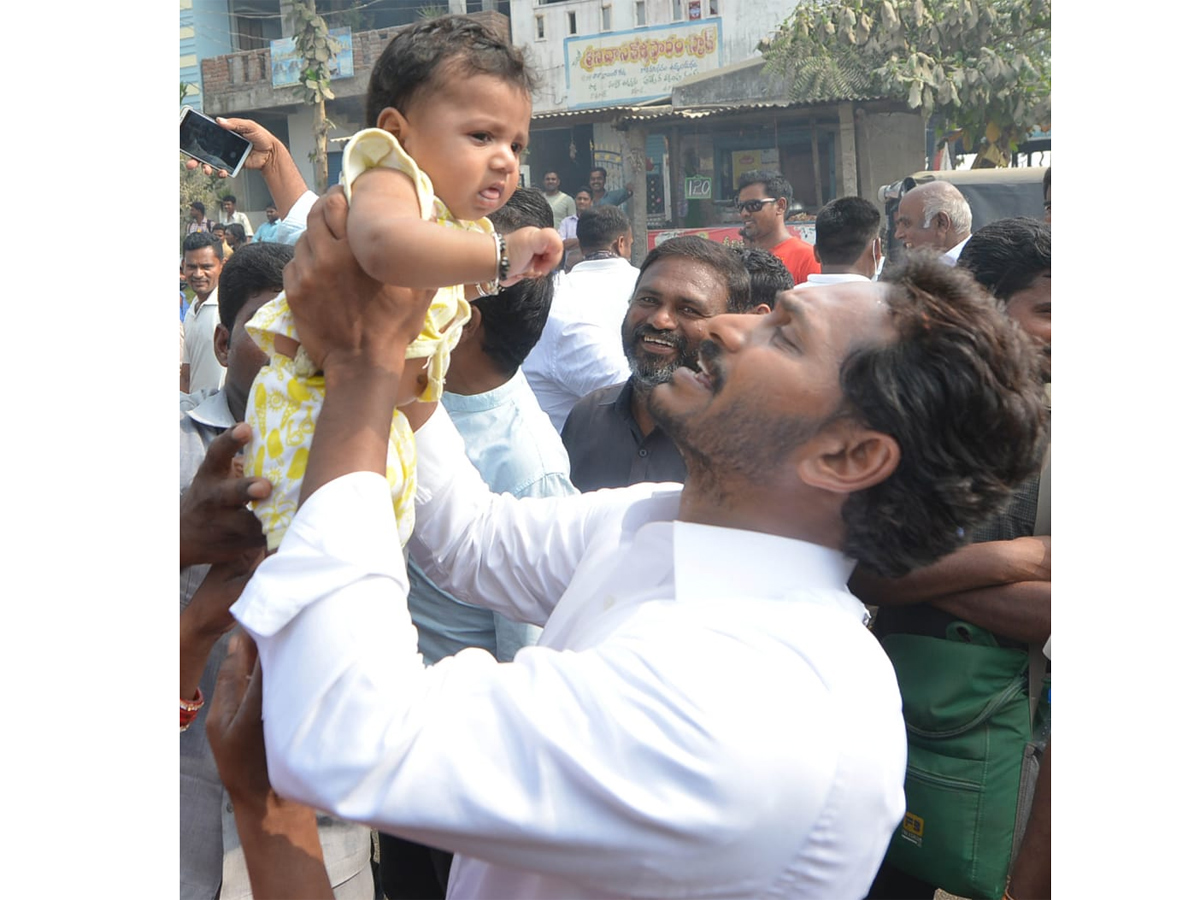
point(509, 569)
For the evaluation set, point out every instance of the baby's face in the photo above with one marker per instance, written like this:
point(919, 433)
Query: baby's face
point(468, 134)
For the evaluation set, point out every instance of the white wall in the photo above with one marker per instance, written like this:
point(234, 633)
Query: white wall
point(743, 24)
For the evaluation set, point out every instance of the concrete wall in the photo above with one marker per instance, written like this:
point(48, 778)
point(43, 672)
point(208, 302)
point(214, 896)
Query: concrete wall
point(743, 24)
point(891, 144)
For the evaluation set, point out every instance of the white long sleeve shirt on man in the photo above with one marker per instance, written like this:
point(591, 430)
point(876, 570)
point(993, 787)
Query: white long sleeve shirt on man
point(705, 715)
point(580, 349)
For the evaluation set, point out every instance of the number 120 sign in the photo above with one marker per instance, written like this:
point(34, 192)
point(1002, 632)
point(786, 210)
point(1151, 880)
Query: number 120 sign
point(698, 187)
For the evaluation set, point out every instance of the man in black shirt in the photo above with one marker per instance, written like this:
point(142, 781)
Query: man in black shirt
point(609, 435)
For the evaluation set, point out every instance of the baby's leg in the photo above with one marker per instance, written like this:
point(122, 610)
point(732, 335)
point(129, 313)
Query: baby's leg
point(282, 409)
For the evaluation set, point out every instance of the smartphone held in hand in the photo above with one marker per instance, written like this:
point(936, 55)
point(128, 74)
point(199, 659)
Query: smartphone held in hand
point(203, 139)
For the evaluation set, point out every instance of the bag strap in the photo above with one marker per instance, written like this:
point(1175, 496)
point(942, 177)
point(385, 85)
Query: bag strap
point(1037, 671)
point(1041, 525)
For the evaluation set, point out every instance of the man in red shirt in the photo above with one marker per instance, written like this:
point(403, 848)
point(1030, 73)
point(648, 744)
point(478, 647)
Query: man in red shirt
point(763, 199)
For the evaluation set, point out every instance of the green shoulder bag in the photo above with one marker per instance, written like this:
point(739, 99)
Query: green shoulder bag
point(967, 711)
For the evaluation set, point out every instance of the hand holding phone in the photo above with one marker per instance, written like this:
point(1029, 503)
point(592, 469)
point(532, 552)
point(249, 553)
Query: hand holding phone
point(203, 139)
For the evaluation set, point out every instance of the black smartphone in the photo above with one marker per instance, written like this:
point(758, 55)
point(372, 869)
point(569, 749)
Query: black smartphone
point(203, 139)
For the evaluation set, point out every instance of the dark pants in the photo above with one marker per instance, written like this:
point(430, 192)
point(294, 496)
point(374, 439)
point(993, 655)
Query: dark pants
point(892, 884)
point(411, 871)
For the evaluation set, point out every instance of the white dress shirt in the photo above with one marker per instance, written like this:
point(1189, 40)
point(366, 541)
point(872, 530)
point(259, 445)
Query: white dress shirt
point(950, 257)
point(199, 327)
point(819, 278)
point(705, 715)
point(580, 348)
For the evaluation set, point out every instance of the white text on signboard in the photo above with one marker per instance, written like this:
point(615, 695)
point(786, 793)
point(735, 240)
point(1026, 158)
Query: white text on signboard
point(637, 65)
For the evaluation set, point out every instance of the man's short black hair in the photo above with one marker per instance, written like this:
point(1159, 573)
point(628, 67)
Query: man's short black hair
point(217, 226)
point(599, 227)
point(603, 173)
point(254, 268)
point(229, 197)
point(198, 205)
point(526, 207)
point(845, 228)
point(960, 392)
point(774, 184)
point(421, 56)
point(198, 240)
point(513, 319)
point(768, 275)
point(716, 256)
point(1008, 255)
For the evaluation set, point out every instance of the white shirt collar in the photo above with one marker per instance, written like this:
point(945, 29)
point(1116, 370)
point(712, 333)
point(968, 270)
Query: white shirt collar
point(950, 257)
point(213, 411)
point(758, 564)
point(832, 278)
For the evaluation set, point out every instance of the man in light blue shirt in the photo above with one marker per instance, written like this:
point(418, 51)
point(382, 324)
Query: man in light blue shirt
point(268, 230)
point(507, 435)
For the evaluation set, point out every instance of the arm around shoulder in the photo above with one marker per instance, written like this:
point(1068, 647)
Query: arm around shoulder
point(986, 564)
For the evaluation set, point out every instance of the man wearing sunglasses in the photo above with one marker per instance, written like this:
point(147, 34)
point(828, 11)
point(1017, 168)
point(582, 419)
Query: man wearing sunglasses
point(763, 200)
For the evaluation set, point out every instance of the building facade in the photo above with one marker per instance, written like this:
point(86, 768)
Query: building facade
point(670, 96)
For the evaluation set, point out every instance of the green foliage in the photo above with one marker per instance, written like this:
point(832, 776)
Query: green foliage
point(316, 47)
point(195, 185)
point(983, 65)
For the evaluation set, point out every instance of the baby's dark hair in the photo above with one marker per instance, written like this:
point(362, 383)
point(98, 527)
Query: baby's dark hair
point(423, 55)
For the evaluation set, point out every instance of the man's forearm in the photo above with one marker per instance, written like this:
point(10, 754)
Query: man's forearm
point(282, 848)
point(283, 179)
point(1019, 611)
point(352, 432)
point(975, 566)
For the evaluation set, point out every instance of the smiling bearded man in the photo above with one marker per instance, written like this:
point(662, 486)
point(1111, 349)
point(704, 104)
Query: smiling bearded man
point(609, 435)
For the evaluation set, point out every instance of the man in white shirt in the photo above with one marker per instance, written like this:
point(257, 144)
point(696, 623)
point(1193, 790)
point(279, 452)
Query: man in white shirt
point(230, 214)
point(202, 264)
point(848, 245)
point(705, 714)
point(566, 229)
point(934, 216)
point(580, 348)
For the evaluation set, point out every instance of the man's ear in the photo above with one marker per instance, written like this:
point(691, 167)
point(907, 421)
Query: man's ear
point(391, 119)
point(941, 222)
point(846, 457)
point(761, 310)
point(221, 344)
point(816, 255)
point(472, 324)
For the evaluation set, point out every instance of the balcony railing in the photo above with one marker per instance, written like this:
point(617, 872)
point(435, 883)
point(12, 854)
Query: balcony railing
point(241, 82)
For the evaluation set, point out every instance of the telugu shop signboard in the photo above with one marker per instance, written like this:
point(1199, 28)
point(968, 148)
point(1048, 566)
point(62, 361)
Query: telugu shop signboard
point(632, 66)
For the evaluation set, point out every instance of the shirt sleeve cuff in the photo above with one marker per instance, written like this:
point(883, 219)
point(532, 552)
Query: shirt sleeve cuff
point(296, 221)
point(343, 533)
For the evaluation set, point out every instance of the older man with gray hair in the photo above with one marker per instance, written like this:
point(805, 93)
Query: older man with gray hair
point(934, 216)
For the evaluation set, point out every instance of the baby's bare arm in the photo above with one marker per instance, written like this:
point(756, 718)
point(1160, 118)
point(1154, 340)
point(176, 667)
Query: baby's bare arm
point(394, 245)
